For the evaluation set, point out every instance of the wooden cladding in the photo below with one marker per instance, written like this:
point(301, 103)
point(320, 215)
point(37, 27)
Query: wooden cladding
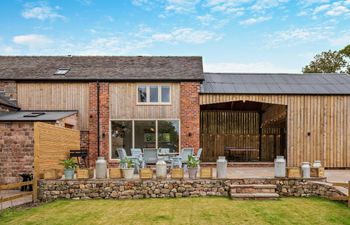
point(56, 96)
point(318, 126)
point(123, 103)
point(238, 129)
point(52, 145)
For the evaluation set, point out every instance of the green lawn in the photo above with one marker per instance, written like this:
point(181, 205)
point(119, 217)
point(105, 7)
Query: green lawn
point(182, 211)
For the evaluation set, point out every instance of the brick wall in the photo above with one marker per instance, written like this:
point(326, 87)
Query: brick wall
point(10, 90)
point(16, 150)
point(104, 121)
point(84, 140)
point(190, 114)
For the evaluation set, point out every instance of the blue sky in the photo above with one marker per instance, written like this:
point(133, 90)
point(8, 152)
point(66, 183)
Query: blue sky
point(231, 35)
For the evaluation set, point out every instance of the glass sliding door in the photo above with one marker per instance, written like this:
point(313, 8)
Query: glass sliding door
point(145, 134)
point(168, 134)
point(121, 137)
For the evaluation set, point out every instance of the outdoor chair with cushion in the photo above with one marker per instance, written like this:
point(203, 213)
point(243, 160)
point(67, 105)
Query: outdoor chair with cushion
point(150, 155)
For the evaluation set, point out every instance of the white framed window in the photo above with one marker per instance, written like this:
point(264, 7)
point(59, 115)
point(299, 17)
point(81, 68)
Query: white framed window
point(153, 95)
point(144, 133)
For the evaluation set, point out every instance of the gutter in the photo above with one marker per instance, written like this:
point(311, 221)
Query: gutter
point(98, 117)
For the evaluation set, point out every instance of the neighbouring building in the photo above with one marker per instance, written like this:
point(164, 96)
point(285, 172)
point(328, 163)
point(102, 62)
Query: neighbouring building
point(154, 102)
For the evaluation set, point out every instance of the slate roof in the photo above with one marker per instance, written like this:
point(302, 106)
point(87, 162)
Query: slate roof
point(4, 100)
point(48, 116)
point(256, 83)
point(119, 68)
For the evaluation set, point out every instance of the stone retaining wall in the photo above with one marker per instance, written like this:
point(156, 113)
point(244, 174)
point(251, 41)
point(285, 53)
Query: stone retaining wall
point(134, 189)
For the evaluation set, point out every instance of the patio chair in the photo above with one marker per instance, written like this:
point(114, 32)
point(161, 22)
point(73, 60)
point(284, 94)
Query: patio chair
point(137, 152)
point(122, 156)
point(150, 155)
point(199, 153)
point(165, 151)
point(185, 152)
point(176, 162)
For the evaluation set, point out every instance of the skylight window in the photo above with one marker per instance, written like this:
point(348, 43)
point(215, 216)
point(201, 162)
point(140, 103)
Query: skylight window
point(62, 71)
point(34, 114)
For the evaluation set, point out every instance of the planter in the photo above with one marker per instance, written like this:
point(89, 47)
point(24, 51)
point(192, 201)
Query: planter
point(317, 172)
point(206, 173)
point(50, 174)
point(293, 172)
point(146, 173)
point(177, 173)
point(115, 173)
point(128, 173)
point(69, 174)
point(85, 173)
point(192, 173)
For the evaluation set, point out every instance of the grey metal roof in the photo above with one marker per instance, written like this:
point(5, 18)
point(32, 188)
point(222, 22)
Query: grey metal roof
point(256, 83)
point(119, 68)
point(4, 100)
point(48, 116)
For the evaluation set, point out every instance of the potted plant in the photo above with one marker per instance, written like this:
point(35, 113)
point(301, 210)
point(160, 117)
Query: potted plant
point(192, 165)
point(69, 168)
point(127, 168)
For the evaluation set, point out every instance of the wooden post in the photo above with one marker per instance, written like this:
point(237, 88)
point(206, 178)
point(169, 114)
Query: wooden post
point(349, 194)
point(36, 161)
point(260, 135)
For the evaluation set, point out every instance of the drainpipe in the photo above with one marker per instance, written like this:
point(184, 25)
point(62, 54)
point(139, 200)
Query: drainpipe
point(98, 118)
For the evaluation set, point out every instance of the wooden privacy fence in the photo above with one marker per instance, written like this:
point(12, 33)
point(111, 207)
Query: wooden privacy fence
point(51, 146)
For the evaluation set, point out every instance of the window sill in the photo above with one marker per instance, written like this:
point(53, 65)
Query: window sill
point(154, 104)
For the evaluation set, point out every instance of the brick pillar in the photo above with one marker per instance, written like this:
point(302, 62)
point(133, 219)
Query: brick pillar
point(104, 121)
point(190, 114)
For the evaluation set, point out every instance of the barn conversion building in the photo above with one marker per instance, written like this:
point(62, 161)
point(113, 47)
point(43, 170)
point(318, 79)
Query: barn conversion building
point(140, 102)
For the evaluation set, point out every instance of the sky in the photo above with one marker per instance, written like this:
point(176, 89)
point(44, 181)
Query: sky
point(231, 35)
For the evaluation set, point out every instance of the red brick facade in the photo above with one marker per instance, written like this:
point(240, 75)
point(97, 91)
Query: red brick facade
point(190, 114)
point(104, 121)
point(16, 150)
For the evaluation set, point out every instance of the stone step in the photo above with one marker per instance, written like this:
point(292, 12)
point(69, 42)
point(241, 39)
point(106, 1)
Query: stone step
point(253, 188)
point(255, 196)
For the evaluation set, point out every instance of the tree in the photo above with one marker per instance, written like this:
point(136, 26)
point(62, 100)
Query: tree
point(330, 62)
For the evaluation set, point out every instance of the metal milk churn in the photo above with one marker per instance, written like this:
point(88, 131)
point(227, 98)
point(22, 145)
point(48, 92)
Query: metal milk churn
point(317, 164)
point(221, 167)
point(161, 170)
point(280, 166)
point(305, 167)
point(101, 168)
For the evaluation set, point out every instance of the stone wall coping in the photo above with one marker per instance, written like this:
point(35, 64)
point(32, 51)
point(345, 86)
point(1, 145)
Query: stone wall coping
point(108, 180)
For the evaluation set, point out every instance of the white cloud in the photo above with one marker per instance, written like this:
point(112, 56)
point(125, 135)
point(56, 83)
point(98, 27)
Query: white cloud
point(338, 10)
point(257, 67)
point(32, 40)
point(181, 6)
point(294, 36)
point(252, 21)
point(321, 8)
point(186, 35)
point(206, 19)
point(41, 11)
point(261, 5)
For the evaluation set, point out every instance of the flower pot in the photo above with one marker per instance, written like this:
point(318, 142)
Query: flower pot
point(192, 173)
point(69, 174)
point(128, 173)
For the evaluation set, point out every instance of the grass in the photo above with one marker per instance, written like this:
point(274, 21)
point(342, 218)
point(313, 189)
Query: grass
point(182, 211)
